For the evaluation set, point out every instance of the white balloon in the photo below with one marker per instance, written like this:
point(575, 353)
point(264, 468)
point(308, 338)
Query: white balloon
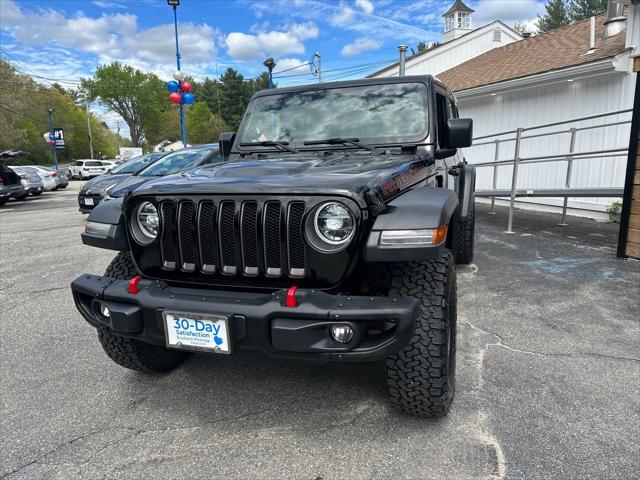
point(178, 75)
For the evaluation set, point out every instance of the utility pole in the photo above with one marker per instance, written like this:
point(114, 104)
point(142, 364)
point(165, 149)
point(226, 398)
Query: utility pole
point(118, 124)
point(317, 55)
point(53, 143)
point(86, 109)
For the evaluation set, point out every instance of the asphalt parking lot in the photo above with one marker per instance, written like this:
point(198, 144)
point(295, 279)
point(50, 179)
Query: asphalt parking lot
point(548, 381)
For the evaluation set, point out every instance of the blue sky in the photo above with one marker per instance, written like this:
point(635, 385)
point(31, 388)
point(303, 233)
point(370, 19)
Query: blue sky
point(68, 39)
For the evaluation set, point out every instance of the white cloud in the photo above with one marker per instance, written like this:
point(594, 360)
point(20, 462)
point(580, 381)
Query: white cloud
point(107, 5)
point(365, 5)
point(110, 37)
point(427, 18)
point(508, 11)
point(245, 47)
point(290, 65)
point(343, 17)
point(359, 46)
point(303, 31)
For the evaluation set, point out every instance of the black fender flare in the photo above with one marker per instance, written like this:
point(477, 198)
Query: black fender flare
point(422, 208)
point(465, 186)
point(105, 227)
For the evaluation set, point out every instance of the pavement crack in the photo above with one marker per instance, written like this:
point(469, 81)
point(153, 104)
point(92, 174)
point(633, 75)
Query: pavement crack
point(500, 343)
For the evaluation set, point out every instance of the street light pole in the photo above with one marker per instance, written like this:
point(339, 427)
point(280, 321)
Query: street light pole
point(174, 4)
point(53, 143)
point(270, 64)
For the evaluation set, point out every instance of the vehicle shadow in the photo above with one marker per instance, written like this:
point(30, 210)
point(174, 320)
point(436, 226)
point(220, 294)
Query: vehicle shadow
point(210, 389)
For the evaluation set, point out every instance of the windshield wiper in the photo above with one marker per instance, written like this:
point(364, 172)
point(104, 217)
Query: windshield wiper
point(269, 143)
point(341, 141)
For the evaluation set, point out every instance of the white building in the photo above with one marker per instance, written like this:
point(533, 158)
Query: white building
point(460, 42)
point(566, 73)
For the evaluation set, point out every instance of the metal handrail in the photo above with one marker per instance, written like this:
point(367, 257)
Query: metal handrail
point(568, 157)
point(563, 122)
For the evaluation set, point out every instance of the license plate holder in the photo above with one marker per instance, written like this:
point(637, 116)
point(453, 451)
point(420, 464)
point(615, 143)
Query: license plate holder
point(208, 333)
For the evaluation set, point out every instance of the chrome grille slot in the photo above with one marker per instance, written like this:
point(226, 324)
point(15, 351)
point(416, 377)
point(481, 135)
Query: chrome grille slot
point(186, 237)
point(249, 237)
point(168, 239)
point(272, 238)
point(227, 235)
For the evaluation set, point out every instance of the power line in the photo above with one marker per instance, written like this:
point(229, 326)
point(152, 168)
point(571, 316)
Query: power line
point(41, 121)
point(292, 68)
point(35, 75)
point(352, 67)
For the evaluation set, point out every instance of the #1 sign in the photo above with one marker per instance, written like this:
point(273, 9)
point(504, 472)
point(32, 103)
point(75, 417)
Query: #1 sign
point(58, 138)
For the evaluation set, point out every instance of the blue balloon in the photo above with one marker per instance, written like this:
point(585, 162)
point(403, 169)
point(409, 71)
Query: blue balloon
point(173, 86)
point(188, 98)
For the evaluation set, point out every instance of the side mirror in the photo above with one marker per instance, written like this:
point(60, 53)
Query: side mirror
point(226, 142)
point(459, 133)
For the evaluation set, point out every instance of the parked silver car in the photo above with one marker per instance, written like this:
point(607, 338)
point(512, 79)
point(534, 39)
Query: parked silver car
point(48, 177)
point(30, 180)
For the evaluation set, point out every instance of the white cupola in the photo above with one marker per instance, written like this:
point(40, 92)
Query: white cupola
point(457, 21)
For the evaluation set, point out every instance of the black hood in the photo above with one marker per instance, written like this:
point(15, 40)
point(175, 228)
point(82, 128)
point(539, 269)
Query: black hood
point(128, 184)
point(344, 173)
point(98, 185)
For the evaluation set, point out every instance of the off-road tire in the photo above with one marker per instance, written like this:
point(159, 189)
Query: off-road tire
point(465, 237)
point(128, 352)
point(421, 376)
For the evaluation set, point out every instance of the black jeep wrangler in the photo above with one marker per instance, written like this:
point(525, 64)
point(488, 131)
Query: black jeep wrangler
point(330, 232)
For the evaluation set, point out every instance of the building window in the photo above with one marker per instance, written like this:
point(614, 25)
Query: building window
point(448, 22)
point(464, 20)
point(497, 35)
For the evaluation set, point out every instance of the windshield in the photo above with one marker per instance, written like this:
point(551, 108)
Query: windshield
point(136, 163)
point(176, 162)
point(387, 113)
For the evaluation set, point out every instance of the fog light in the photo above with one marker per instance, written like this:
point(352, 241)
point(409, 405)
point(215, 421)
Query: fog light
point(104, 310)
point(341, 333)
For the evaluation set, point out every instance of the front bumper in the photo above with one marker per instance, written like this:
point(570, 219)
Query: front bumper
point(258, 321)
point(83, 207)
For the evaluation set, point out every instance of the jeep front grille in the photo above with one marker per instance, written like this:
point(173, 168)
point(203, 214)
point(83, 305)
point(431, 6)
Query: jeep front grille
point(233, 237)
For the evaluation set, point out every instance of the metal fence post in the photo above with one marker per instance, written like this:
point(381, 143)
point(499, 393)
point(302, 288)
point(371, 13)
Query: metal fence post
point(567, 183)
point(495, 175)
point(514, 178)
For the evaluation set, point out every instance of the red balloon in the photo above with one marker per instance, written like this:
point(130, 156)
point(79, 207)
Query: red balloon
point(185, 87)
point(175, 97)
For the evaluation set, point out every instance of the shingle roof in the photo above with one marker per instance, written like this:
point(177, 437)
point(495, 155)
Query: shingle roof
point(459, 6)
point(560, 48)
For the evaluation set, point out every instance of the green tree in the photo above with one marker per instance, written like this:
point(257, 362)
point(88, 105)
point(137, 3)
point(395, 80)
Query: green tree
point(583, 9)
point(166, 126)
point(23, 120)
point(138, 97)
point(235, 93)
point(556, 16)
point(521, 28)
point(198, 124)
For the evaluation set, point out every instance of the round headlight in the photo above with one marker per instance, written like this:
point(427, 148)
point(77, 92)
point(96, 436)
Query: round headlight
point(334, 223)
point(145, 223)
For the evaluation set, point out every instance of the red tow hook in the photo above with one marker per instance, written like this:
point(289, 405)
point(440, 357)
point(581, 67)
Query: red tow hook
point(291, 301)
point(133, 285)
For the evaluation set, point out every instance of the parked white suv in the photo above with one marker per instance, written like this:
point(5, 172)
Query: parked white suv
point(109, 164)
point(84, 169)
